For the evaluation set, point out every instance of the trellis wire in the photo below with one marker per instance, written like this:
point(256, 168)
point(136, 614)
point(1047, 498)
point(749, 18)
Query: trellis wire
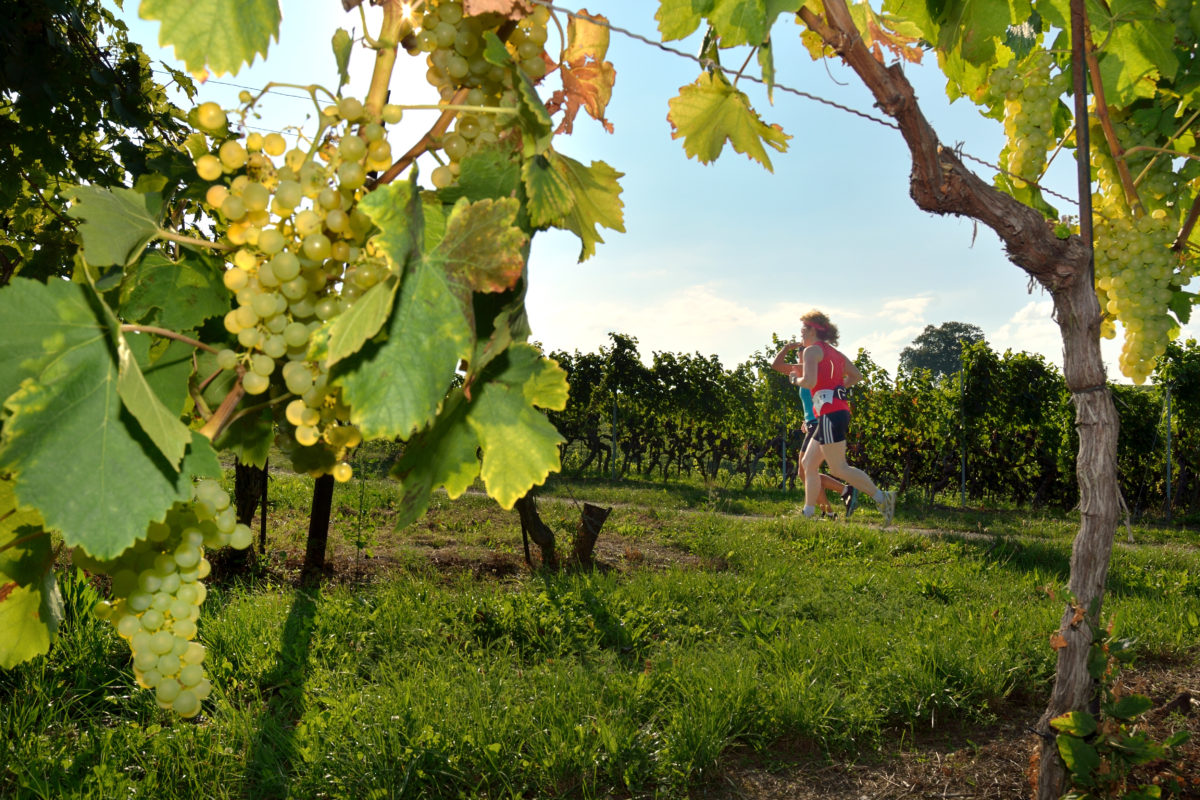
point(708, 64)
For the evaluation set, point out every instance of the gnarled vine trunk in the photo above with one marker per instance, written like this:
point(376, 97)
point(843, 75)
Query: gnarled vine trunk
point(941, 184)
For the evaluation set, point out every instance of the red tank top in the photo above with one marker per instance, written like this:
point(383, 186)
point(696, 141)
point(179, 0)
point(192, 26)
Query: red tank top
point(831, 374)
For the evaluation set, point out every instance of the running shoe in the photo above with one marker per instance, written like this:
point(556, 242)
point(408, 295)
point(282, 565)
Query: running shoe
point(850, 498)
point(888, 507)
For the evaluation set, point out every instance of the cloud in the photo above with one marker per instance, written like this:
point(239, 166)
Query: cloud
point(1030, 330)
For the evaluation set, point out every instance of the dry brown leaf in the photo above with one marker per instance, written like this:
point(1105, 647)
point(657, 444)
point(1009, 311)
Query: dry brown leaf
point(513, 9)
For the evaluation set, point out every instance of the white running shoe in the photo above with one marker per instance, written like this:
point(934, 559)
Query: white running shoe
point(888, 507)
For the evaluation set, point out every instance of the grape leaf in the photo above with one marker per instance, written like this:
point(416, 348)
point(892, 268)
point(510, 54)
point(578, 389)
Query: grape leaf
point(342, 45)
point(973, 27)
point(394, 387)
point(117, 224)
point(482, 246)
point(520, 446)
point(396, 209)
point(1137, 53)
point(351, 329)
point(73, 447)
point(167, 364)
point(162, 425)
point(485, 173)
point(443, 455)
point(219, 34)
point(565, 194)
point(179, 295)
point(679, 19)
point(1075, 723)
point(712, 111)
point(30, 605)
point(29, 616)
point(513, 9)
point(739, 22)
point(766, 64)
point(587, 78)
point(1080, 757)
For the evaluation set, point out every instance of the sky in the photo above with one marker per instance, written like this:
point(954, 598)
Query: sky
point(716, 258)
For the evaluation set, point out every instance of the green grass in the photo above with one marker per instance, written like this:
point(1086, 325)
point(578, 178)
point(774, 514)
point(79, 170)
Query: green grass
point(839, 639)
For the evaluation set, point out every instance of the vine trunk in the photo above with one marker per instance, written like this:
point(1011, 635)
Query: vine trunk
point(941, 184)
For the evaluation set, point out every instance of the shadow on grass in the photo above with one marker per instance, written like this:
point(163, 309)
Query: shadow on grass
point(273, 754)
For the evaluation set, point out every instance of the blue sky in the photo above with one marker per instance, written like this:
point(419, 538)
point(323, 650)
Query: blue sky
point(716, 258)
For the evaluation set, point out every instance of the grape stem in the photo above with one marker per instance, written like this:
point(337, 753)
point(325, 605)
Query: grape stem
point(745, 64)
point(1186, 126)
point(1189, 224)
point(1110, 135)
point(258, 407)
point(220, 420)
point(436, 132)
point(167, 334)
point(179, 237)
point(23, 539)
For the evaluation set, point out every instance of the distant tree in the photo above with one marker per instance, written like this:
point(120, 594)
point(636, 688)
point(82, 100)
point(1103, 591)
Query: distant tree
point(939, 349)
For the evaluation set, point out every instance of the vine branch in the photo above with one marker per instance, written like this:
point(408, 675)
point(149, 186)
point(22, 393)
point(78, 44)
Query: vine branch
point(220, 419)
point(179, 237)
point(425, 142)
point(1189, 225)
point(167, 333)
point(1110, 134)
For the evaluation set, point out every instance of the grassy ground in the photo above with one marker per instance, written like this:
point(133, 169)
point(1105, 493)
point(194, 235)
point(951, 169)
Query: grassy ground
point(725, 644)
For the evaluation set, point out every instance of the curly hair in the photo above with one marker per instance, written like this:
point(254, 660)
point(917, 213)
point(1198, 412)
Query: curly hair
point(826, 331)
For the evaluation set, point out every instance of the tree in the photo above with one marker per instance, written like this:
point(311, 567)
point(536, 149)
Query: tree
point(939, 349)
point(1017, 61)
point(78, 104)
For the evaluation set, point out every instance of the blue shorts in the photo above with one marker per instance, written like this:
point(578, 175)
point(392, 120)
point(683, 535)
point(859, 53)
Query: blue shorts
point(832, 427)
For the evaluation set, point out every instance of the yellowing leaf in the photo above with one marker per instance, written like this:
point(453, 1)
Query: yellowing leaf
point(512, 9)
point(587, 78)
point(563, 193)
point(482, 245)
point(711, 112)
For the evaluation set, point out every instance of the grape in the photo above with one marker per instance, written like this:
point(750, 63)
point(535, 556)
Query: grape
point(392, 113)
point(232, 155)
point(208, 167)
point(210, 116)
point(254, 383)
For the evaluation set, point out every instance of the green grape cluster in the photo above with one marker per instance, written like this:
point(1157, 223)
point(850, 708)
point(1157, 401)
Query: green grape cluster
point(454, 46)
point(1137, 272)
point(157, 590)
point(1030, 94)
point(299, 258)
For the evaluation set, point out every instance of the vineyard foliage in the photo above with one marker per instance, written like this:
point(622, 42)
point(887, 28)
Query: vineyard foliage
point(218, 290)
point(685, 416)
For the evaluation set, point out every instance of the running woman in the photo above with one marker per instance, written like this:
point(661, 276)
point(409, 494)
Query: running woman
point(826, 372)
